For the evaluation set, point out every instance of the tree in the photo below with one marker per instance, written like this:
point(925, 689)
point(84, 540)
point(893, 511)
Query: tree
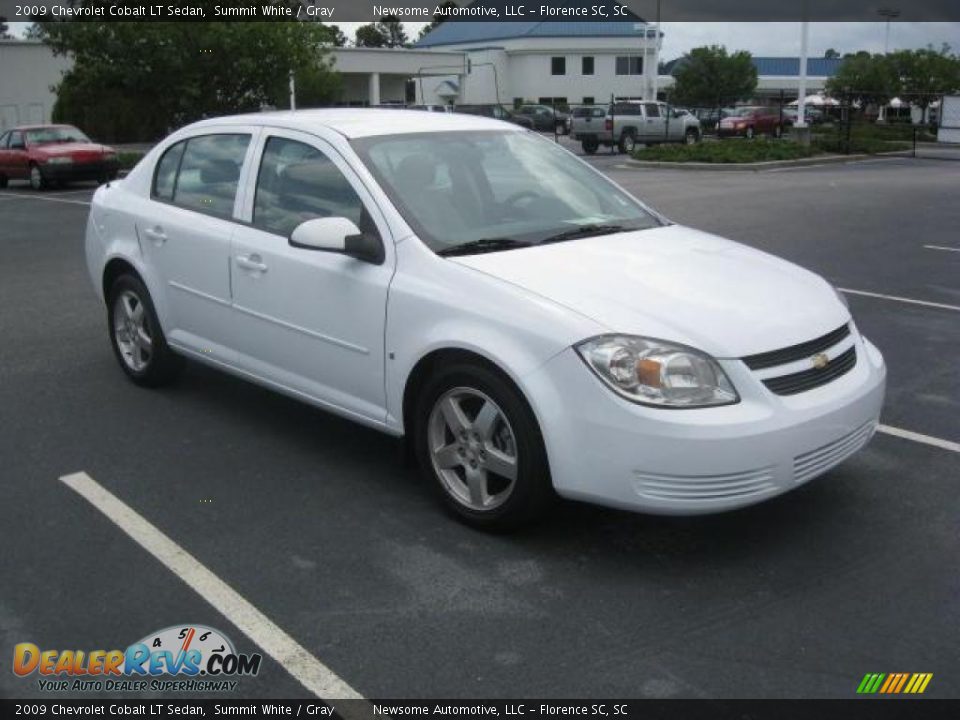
point(336, 36)
point(712, 77)
point(924, 75)
point(371, 36)
point(865, 79)
point(4, 29)
point(137, 81)
point(832, 54)
point(393, 30)
point(438, 19)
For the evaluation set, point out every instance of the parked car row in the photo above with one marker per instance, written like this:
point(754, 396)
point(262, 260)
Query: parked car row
point(625, 124)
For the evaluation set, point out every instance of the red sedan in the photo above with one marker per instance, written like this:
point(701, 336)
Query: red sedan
point(45, 154)
point(751, 121)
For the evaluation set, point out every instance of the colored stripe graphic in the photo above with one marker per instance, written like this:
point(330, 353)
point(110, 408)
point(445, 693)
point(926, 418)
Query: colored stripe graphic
point(894, 683)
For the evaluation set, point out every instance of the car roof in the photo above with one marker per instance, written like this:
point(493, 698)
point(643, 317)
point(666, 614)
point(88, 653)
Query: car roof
point(364, 122)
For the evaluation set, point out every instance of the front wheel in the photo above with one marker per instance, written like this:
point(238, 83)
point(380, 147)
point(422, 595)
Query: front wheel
point(479, 444)
point(135, 334)
point(691, 137)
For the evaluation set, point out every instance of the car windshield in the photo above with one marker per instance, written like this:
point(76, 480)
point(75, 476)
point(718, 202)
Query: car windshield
point(743, 112)
point(497, 187)
point(58, 134)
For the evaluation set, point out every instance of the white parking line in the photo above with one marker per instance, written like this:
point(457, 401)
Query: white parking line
point(941, 247)
point(911, 301)
point(293, 657)
point(43, 197)
point(920, 438)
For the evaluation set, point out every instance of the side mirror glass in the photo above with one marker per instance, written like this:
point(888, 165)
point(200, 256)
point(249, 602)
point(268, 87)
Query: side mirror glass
point(338, 235)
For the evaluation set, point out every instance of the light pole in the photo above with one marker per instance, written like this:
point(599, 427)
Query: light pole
point(889, 14)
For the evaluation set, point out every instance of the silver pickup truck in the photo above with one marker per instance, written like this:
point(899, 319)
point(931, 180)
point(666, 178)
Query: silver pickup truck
point(629, 123)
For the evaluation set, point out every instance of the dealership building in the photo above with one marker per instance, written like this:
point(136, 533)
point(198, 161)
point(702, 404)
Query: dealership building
point(457, 63)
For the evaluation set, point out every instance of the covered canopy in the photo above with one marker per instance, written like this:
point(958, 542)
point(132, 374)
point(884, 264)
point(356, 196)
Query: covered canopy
point(817, 99)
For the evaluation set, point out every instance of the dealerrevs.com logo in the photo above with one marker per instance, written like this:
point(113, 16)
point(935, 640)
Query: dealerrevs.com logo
point(199, 657)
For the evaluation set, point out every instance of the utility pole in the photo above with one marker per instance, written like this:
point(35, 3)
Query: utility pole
point(889, 14)
point(800, 128)
point(293, 92)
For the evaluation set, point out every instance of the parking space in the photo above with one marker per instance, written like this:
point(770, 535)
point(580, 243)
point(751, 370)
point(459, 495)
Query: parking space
point(316, 523)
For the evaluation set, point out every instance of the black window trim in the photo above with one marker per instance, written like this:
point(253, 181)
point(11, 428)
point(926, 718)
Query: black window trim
point(553, 64)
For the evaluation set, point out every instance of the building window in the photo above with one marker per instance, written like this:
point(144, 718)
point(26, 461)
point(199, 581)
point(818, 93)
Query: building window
point(588, 100)
point(517, 102)
point(629, 65)
point(558, 66)
point(557, 102)
point(587, 65)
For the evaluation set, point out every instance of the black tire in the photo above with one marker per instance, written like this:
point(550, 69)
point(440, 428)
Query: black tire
point(691, 137)
point(163, 364)
point(532, 490)
point(3, 181)
point(37, 179)
point(627, 143)
point(590, 145)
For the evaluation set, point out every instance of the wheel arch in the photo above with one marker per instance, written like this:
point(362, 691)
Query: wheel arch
point(114, 268)
point(439, 357)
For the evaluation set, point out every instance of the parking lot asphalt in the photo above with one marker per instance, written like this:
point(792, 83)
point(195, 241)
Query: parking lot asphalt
point(316, 523)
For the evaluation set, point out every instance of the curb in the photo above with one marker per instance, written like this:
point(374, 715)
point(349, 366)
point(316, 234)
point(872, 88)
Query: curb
point(767, 165)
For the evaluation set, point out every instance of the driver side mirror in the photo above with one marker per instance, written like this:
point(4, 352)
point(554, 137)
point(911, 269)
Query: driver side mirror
point(338, 235)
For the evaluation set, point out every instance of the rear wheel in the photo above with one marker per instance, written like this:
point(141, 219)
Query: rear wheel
point(479, 445)
point(135, 334)
point(37, 180)
point(628, 143)
point(590, 145)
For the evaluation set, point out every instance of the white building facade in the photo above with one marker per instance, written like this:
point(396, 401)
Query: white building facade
point(29, 72)
point(562, 62)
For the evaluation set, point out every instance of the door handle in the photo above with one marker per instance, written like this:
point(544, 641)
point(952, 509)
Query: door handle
point(251, 262)
point(156, 235)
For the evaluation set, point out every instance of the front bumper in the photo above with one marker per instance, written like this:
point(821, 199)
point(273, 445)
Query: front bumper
point(80, 171)
point(607, 450)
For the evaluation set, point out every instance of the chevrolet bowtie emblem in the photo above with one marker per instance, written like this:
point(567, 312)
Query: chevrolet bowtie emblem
point(820, 361)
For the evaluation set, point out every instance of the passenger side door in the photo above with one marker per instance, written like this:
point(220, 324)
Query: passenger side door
point(185, 230)
point(306, 320)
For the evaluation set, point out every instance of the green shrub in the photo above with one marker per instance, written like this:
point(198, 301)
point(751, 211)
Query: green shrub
point(727, 151)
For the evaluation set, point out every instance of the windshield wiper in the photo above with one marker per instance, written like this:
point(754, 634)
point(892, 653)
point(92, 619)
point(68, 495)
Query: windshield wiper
point(581, 232)
point(484, 245)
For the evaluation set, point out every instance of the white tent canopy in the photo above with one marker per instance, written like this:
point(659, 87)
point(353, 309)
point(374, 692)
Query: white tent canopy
point(817, 100)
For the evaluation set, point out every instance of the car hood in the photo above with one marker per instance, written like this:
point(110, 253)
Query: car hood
point(58, 149)
point(678, 284)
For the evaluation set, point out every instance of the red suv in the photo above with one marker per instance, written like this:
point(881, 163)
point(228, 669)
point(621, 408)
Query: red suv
point(750, 121)
point(44, 154)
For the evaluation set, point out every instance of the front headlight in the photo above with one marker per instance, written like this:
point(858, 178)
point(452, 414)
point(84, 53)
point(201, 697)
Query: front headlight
point(659, 373)
point(60, 160)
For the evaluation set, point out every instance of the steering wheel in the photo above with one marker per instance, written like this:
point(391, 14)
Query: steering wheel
point(518, 196)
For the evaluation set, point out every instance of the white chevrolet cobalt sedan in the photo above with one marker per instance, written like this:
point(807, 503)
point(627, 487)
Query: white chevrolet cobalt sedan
point(527, 325)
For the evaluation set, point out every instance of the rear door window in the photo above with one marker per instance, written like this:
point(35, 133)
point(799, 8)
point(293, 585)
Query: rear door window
point(210, 173)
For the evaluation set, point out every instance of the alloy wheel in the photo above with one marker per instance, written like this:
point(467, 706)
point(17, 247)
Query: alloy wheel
point(472, 448)
point(36, 177)
point(131, 331)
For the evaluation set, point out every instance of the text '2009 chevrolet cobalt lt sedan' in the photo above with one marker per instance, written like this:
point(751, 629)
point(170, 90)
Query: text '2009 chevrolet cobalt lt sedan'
point(523, 321)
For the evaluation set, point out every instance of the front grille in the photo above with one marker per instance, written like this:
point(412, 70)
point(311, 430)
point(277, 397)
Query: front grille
point(793, 353)
point(815, 462)
point(815, 377)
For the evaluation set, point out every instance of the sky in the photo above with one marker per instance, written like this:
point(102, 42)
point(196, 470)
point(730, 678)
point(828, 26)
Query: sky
point(771, 38)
